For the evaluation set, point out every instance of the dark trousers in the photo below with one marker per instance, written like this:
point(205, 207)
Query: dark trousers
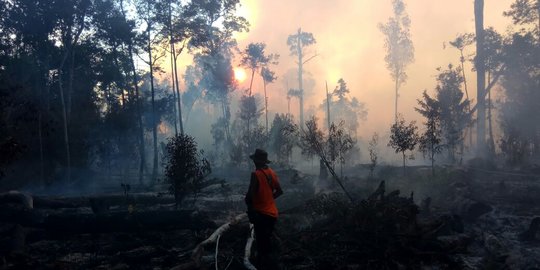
point(264, 227)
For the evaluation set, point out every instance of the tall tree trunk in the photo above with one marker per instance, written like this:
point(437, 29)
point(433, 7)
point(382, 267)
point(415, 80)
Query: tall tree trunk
point(178, 94)
point(65, 126)
point(491, 140)
point(403, 162)
point(67, 53)
point(432, 160)
point(462, 60)
point(481, 78)
point(70, 84)
point(328, 107)
point(173, 84)
point(139, 116)
point(40, 129)
point(265, 105)
point(251, 81)
point(300, 79)
point(142, 152)
point(154, 120)
point(396, 100)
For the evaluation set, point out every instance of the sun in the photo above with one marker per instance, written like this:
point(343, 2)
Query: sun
point(239, 74)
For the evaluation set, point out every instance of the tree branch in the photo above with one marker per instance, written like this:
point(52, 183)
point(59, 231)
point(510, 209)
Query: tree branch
point(307, 60)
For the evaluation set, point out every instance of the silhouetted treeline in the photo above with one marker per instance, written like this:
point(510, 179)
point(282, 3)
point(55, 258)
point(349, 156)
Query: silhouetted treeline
point(78, 81)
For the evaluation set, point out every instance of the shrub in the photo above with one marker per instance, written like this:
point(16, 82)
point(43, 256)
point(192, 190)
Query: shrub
point(185, 168)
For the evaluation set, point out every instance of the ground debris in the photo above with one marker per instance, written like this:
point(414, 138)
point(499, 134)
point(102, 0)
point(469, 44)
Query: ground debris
point(380, 232)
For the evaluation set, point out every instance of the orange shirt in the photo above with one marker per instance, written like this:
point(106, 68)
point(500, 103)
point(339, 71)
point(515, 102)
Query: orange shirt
point(263, 197)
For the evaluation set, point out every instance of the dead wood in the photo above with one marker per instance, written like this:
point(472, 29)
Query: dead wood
point(247, 250)
point(17, 197)
point(104, 200)
point(382, 230)
point(124, 221)
point(199, 249)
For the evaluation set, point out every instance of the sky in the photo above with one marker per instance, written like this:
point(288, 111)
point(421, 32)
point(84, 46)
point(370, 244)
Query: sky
point(350, 46)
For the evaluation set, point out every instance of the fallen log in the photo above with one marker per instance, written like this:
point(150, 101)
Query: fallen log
point(199, 249)
point(47, 202)
point(17, 197)
point(124, 221)
point(247, 251)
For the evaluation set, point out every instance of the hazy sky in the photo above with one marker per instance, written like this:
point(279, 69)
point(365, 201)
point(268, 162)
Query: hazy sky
point(350, 46)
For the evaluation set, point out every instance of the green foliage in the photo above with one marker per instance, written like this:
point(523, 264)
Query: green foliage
point(403, 137)
point(453, 109)
point(282, 137)
point(398, 44)
point(345, 108)
point(524, 12)
point(520, 113)
point(430, 139)
point(298, 41)
point(339, 143)
point(185, 168)
point(311, 139)
point(373, 156)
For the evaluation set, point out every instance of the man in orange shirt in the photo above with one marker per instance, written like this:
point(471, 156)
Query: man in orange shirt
point(262, 211)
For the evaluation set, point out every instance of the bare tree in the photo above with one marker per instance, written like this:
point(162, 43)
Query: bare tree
point(297, 43)
point(399, 47)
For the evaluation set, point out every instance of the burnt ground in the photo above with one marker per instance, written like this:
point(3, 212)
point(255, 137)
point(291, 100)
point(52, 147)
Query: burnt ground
point(460, 218)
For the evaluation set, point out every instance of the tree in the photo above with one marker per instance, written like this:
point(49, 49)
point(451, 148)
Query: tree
point(255, 59)
point(454, 115)
point(460, 43)
point(148, 12)
point(403, 137)
point(373, 156)
point(249, 113)
point(339, 144)
point(524, 12)
point(494, 67)
point(399, 47)
point(346, 109)
point(480, 78)
point(136, 94)
point(185, 168)
point(268, 76)
point(430, 139)
point(519, 111)
point(214, 43)
point(312, 142)
point(282, 137)
point(297, 44)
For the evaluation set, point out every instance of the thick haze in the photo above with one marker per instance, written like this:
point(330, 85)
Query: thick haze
point(350, 46)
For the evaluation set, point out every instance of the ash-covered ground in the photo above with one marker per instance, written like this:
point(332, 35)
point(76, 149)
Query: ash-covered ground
point(459, 218)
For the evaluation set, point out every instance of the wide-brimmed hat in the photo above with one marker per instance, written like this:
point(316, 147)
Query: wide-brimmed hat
point(260, 156)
